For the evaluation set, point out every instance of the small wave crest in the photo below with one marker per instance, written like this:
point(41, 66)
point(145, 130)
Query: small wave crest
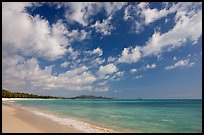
point(166, 120)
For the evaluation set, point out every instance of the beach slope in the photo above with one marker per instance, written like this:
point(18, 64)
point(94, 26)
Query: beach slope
point(17, 120)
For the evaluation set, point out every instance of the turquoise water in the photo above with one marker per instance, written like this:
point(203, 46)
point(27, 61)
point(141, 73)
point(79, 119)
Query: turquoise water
point(129, 115)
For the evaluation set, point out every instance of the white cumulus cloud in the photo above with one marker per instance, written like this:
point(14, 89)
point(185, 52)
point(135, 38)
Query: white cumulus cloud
point(74, 53)
point(176, 36)
point(107, 69)
point(97, 51)
point(81, 12)
point(120, 73)
point(33, 35)
point(101, 89)
point(105, 27)
point(64, 64)
point(111, 59)
point(186, 17)
point(102, 83)
point(149, 66)
point(98, 61)
point(139, 76)
point(130, 55)
point(20, 74)
point(133, 70)
point(180, 63)
point(151, 15)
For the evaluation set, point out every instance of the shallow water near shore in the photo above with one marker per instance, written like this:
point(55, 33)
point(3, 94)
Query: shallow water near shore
point(166, 115)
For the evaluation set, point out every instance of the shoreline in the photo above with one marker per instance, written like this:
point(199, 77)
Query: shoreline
point(35, 120)
point(18, 120)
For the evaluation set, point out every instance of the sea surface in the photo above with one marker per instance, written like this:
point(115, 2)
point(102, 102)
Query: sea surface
point(158, 116)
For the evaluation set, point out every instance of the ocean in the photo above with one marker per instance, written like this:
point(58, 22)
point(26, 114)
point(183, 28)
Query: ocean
point(149, 116)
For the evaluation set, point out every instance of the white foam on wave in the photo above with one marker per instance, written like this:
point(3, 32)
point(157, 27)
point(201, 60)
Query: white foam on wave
point(11, 101)
point(80, 125)
point(166, 120)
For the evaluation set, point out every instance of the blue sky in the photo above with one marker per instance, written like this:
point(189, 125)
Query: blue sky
point(119, 49)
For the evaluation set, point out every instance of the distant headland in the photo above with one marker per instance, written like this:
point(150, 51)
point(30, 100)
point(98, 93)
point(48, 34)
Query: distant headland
point(8, 94)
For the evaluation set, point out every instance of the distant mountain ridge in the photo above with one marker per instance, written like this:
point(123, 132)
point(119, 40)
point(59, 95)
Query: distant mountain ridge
point(8, 94)
point(90, 97)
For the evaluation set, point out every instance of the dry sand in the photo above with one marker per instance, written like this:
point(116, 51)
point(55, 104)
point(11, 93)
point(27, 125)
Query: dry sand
point(17, 120)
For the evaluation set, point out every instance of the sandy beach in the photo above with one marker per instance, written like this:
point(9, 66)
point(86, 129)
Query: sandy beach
point(17, 120)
